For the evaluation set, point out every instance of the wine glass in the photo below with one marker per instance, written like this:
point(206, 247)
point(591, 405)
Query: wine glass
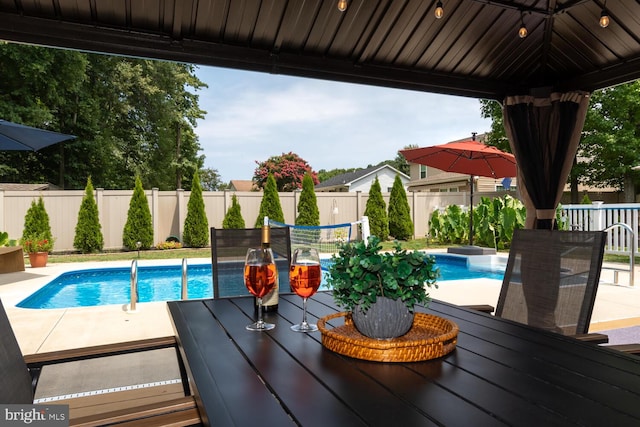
point(304, 278)
point(259, 278)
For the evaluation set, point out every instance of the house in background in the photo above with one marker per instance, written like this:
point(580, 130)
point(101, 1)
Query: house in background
point(241, 185)
point(426, 178)
point(362, 179)
point(28, 187)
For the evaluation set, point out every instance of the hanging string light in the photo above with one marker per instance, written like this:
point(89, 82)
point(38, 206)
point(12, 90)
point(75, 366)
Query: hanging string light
point(439, 12)
point(342, 5)
point(604, 16)
point(522, 32)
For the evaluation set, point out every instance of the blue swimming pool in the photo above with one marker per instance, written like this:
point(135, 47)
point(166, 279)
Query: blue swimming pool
point(85, 288)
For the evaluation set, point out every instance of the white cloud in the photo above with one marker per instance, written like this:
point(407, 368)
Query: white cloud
point(254, 116)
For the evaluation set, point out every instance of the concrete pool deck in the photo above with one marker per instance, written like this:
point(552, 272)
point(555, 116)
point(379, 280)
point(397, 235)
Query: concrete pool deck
point(42, 330)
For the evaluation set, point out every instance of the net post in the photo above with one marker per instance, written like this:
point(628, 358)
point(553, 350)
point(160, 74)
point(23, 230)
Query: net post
point(365, 228)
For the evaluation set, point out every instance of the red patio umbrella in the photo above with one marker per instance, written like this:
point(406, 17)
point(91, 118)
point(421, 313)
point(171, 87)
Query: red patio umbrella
point(468, 157)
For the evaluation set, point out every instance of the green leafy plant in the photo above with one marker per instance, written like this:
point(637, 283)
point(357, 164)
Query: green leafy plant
point(360, 273)
point(5, 240)
point(169, 244)
point(37, 243)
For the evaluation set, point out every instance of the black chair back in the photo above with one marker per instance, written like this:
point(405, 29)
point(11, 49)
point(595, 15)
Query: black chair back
point(551, 279)
point(228, 251)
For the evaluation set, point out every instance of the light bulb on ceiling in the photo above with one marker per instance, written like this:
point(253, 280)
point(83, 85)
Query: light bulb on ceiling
point(439, 12)
point(342, 5)
point(522, 32)
point(604, 19)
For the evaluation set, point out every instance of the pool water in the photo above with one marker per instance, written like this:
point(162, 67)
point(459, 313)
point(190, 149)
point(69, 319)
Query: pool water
point(85, 288)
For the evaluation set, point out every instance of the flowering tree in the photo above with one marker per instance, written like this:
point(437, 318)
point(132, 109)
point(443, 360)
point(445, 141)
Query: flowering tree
point(287, 169)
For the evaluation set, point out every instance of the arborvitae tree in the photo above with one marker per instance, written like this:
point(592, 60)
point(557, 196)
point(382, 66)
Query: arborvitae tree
point(196, 226)
point(88, 237)
point(376, 210)
point(308, 212)
point(400, 224)
point(270, 204)
point(233, 217)
point(36, 222)
point(138, 227)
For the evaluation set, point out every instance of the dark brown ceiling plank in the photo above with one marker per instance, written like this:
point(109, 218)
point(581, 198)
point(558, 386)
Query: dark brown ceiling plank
point(129, 43)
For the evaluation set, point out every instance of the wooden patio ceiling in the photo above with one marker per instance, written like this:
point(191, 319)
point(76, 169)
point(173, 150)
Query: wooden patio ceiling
point(474, 50)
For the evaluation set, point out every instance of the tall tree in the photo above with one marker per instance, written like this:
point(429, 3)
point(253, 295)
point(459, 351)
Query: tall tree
point(233, 217)
point(288, 170)
point(400, 224)
point(611, 140)
point(308, 212)
point(196, 225)
point(88, 235)
point(131, 116)
point(270, 205)
point(138, 230)
point(376, 211)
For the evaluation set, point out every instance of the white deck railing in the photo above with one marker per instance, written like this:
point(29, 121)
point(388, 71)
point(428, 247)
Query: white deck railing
point(599, 216)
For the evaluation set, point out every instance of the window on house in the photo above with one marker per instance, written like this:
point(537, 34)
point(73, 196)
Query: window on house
point(423, 171)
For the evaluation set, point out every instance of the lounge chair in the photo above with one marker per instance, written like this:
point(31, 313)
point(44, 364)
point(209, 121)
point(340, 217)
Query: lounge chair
point(11, 259)
point(19, 376)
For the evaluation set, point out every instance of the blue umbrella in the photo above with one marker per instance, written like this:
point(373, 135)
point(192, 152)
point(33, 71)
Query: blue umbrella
point(20, 137)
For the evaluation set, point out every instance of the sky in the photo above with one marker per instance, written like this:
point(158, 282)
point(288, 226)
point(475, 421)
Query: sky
point(252, 116)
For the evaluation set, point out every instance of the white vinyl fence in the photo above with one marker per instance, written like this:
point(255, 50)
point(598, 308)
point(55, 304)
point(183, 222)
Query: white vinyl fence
point(169, 209)
point(619, 219)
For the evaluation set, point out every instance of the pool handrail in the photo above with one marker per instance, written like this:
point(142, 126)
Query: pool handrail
point(134, 286)
point(184, 293)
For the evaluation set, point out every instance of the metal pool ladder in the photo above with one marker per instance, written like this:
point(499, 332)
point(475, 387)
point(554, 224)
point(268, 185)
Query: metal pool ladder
point(184, 279)
point(134, 287)
point(631, 255)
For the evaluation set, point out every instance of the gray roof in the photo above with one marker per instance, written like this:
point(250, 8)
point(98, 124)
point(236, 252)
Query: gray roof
point(27, 187)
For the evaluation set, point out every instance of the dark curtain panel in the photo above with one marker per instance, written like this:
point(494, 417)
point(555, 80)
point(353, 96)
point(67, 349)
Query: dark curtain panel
point(544, 133)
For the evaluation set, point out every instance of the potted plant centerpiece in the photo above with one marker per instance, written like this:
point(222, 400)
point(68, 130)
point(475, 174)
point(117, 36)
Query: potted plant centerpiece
point(380, 289)
point(38, 247)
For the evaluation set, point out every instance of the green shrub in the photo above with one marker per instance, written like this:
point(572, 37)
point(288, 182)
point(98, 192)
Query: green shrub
point(233, 217)
point(586, 200)
point(400, 224)
point(36, 222)
point(308, 212)
point(376, 210)
point(138, 228)
point(169, 244)
point(88, 235)
point(270, 204)
point(196, 226)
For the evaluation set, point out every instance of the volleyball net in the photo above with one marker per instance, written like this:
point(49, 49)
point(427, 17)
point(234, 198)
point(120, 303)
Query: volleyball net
point(325, 238)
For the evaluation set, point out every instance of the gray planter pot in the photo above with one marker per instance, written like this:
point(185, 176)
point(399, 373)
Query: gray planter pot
point(385, 319)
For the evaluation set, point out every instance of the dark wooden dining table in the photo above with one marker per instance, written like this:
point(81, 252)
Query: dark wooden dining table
point(501, 373)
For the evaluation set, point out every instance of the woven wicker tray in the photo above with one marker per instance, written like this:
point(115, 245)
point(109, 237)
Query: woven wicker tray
point(430, 337)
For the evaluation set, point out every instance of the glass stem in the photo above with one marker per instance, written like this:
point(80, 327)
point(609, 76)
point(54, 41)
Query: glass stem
point(304, 312)
point(260, 322)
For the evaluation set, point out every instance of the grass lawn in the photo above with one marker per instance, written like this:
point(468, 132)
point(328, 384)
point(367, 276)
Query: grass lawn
point(189, 253)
